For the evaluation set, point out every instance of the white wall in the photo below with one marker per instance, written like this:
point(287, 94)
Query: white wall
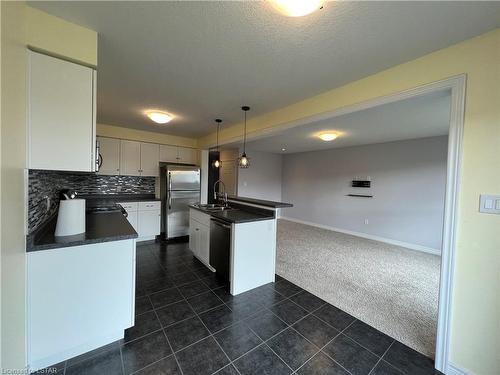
point(408, 184)
point(262, 180)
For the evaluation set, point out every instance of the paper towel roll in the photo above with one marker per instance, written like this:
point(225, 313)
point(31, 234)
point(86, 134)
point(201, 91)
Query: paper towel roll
point(71, 217)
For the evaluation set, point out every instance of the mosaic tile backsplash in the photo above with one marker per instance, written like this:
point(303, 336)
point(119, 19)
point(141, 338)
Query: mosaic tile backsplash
point(49, 183)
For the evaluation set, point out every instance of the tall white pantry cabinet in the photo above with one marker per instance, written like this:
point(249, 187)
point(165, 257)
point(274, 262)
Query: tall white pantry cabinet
point(61, 114)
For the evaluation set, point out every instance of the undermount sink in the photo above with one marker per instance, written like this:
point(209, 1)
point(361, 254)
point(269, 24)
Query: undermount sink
point(214, 207)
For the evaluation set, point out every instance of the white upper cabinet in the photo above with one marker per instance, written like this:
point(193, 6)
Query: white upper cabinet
point(150, 154)
point(168, 153)
point(175, 154)
point(139, 159)
point(188, 155)
point(130, 158)
point(61, 113)
point(109, 156)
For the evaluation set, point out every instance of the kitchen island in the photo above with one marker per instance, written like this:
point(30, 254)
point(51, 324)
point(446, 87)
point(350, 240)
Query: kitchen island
point(81, 288)
point(238, 241)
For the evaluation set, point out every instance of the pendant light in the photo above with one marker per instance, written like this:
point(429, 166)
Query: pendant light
point(243, 161)
point(217, 161)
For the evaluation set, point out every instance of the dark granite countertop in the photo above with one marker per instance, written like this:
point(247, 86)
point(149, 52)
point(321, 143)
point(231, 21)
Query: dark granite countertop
point(100, 227)
point(260, 202)
point(237, 214)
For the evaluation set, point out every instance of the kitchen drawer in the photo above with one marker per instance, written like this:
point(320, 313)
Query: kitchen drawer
point(200, 217)
point(129, 206)
point(147, 206)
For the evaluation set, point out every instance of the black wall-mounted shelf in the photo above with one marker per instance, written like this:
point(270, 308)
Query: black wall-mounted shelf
point(361, 183)
point(360, 195)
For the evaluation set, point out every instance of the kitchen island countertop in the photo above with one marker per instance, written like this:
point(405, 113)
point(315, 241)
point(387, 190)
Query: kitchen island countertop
point(237, 215)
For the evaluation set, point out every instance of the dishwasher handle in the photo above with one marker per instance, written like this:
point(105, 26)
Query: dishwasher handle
point(220, 223)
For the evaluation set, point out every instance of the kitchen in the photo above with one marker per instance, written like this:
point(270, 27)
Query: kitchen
point(185, 191)
point(100, 196)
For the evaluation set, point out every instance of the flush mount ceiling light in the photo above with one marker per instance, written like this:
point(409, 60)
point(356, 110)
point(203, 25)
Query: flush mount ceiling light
point(217, 161)
point(296, 8)
point(327, 137)
point(243, 161)
point(159, 117)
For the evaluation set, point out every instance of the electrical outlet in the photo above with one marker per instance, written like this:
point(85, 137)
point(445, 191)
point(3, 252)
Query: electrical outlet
point(367, 222)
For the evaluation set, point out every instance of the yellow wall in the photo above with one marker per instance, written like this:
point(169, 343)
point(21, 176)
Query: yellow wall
point(61, 38)
point(475, 341)
point(20, 26)
point(144, 136)
point(13, 148)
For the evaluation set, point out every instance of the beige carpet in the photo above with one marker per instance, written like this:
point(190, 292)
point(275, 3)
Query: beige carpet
point(392, 288)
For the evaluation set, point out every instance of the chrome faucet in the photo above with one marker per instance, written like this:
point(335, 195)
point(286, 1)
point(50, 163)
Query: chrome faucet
point(217, 195)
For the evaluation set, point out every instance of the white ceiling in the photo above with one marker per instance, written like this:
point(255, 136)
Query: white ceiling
point(419, 117)
point(202, 60)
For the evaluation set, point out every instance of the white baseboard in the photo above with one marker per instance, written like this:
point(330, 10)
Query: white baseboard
point(367, 236)
point(454, 370)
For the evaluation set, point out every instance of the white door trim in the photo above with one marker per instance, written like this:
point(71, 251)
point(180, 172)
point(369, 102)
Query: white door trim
point(455, 139)
point(457, 86)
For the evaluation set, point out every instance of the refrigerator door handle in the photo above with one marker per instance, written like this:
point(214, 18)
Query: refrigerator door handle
point(170, 201)
point(169, 181)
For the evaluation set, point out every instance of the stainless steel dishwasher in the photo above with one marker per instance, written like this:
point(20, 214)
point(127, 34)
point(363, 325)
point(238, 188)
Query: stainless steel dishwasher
point(220, 247)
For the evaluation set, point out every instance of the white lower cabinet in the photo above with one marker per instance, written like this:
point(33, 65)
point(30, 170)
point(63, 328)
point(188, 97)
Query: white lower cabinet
point(79, 298)
point(148, 223)
point(145, 217)
point(133, 219)
point(199, 235)
point(204, 244)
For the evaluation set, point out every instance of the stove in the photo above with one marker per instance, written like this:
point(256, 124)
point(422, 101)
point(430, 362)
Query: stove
point(106, 208)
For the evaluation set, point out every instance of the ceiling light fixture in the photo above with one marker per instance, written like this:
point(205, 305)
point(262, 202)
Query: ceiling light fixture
point(159, 117)
point(296, 8)
point(283, 149)
point(327, 137)
point(217, 161)
point(243, 161)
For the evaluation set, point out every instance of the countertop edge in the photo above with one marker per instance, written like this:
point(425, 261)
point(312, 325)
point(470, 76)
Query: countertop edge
point(213, 214)
point(34, 248)
point(260, 202)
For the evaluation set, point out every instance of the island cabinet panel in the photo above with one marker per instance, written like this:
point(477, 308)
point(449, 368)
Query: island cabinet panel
point(79, 298)
point(199, 235)
point(61, 115)
point(253, 255)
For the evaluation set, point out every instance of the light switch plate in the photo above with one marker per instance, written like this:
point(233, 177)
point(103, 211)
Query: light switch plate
point(489, 204)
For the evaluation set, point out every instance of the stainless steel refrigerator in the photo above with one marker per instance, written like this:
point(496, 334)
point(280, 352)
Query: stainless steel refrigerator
point(180, 187)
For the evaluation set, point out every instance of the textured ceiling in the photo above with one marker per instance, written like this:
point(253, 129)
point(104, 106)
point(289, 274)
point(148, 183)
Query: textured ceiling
point(202, 60)
point(419, 117)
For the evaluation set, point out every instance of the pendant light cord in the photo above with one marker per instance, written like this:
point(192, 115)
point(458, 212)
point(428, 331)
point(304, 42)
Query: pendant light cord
point(245, 134)
point(218, 125)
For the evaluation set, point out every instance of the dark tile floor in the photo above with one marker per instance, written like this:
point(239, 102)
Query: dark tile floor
point(187, 323)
